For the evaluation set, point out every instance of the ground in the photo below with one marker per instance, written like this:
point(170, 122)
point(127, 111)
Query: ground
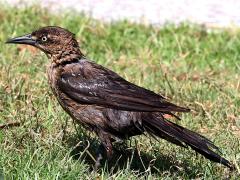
point(187, 64)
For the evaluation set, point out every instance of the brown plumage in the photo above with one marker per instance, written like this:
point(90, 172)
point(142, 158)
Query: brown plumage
point(104, 102)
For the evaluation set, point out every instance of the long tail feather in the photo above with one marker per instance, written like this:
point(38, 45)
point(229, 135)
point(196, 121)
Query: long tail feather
point(156, 125)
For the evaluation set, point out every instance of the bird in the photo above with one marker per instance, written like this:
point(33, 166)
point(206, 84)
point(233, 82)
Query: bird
point(105, 103)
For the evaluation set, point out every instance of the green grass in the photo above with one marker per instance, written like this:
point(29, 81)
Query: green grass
point(188, 64)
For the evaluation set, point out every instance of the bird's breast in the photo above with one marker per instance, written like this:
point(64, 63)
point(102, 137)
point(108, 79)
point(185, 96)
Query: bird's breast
point(52, 73)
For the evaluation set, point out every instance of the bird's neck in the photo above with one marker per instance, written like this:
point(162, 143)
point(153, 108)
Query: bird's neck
point(66, 56)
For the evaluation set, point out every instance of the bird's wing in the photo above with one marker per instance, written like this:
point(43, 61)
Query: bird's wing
point(90, 83)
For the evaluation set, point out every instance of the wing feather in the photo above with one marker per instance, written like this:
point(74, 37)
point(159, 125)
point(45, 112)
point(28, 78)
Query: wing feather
point(87, 82)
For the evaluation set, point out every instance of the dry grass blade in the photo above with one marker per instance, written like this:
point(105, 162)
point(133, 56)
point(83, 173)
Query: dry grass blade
point(10, 124)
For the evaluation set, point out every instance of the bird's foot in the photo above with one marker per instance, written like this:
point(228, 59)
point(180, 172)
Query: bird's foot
point(98, 162)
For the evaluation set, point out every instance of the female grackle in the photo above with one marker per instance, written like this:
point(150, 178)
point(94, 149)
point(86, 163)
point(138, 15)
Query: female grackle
point(103, 102)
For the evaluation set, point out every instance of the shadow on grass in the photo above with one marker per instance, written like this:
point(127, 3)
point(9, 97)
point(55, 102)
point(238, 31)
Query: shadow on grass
point(85, 148)
point(1, 174)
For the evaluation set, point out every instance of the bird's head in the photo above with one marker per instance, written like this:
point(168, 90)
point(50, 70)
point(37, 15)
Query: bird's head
point(53, 40)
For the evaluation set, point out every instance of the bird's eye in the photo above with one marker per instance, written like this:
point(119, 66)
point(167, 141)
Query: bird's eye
point(44, 38)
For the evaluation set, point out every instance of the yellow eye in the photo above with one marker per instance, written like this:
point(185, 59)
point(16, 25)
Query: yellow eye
point(44, 38)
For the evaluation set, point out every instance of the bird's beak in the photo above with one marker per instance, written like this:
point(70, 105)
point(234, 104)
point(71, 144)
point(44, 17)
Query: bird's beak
point(26, 39)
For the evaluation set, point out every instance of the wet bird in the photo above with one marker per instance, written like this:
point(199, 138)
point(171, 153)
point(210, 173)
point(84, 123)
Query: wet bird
point(104, 102)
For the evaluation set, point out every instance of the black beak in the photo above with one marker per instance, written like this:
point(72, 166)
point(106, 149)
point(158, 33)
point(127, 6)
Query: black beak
point(26, 39)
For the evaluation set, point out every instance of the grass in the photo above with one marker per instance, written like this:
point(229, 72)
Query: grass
point(188, 64)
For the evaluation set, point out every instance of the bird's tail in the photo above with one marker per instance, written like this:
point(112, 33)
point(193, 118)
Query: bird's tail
point(156, 125)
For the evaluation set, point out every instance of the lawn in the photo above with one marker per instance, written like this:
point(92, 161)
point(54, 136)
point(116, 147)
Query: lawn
point(189, 64)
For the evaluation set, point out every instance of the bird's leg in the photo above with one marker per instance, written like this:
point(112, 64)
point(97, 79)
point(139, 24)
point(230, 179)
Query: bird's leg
point(108, 147)
point(105, 144)
point(99, 156)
